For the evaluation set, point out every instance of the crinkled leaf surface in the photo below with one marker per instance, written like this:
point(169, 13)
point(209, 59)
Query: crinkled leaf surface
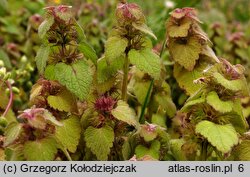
point(124, 113)
point(185, 51)
point(223, 137)
point(185, 78)
point(233, 85)
point(175, 146)
point(236, 117)
point(159, 120)
point(42, 57)
point(153, 151)
point(178, 30)
point(45, 26)
point(63, 101)
point(192, 103)
point(76, 77)
point(49, 72)
point(115, 47)
point(12, 132)
point(144, 28)
point(105, 71)
point(14, 153)
point(69, 134)
point(219, 105)
point(206, 50)
point(147, 61)
point(99, 140)
point(242, 151)
point(64, 15)
point(88, 51)
point(40, 150)
point(166, 102)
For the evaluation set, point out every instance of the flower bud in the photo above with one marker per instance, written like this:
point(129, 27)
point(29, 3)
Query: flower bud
point(35, 21)
point(15, 90)
point(2, 72)
point(127, 13)
point(7, 76)
point(24, 59)
point(105, 104)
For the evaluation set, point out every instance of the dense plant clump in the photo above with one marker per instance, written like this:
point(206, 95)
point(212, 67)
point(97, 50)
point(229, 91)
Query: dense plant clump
point(114, 99)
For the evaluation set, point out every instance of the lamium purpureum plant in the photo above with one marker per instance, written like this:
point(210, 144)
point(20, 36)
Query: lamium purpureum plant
point(129, 42)
point(119, 107)
point(52, 123)
point(78, 111)
point(211, 122)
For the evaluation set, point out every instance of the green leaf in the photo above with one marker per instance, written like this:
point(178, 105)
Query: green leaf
point(236, 117)
point(126, 150)
point(246, 111)
point(233, 85)
point(45, 26)
point(124, 113)
point(100, 140)
point(140, 90)
point(185, 52)
point(105, 72)
point(80, 32)
point(12, 132)
point(115, 47)
point(69, 134)
point(40, 150)
point(185, 78)
point(175, 147)
point(42, 57)
point(223, 137)
point(65, 15)
point(180, 29)
point(191, 103)
point(159, 120)
point(3, 6)
point(63, 101)
point(147, 61)
point(219, 105)
point(14, 153)
point(48, 116)
point(207, 51)
point(76, 77)
point(153, 151)
point(166, 102)
point(88, 51)
point(103, 87)
point(49, 72)
point(144, 28)
point(5, 58)
point(242, 151)
point(238, 121)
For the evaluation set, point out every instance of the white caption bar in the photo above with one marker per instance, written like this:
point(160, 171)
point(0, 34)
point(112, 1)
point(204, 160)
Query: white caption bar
point(124, 169)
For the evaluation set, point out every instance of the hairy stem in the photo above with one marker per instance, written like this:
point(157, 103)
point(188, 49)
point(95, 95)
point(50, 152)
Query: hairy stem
point(125, 79)
point(10, 99)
